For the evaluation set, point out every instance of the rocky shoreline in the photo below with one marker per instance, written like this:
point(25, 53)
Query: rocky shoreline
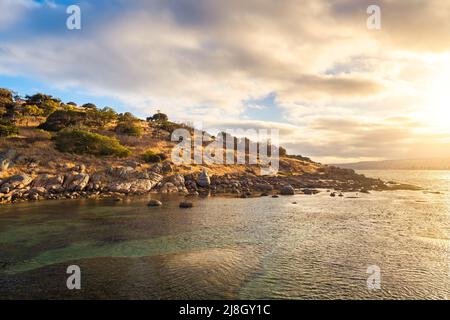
point(136, 179)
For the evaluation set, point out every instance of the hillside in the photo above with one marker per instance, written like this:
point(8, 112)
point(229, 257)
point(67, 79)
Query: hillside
point(51, 150)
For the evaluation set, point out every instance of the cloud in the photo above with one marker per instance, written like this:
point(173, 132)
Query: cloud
point(205, 60)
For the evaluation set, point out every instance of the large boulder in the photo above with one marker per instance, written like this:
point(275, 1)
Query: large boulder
point(6, 159)
point(19, 181)
point(96, 182)
point(287, 190)
point(166, 167)
point(76, 181)
point(4, 164)
point(175, 183)
point(137, 186)
point(168, 187)
point(52, 183)
point(121, 172)
point(203, 179)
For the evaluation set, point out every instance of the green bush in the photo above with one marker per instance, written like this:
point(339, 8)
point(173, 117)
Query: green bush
point(127, 117)
point(85, 142)
point(161, 117)
point(151, 157)
point(169, 126)
point(89, 106)
point(62, 119)
point(7, 130)
point(100, 117)
point(128, 129)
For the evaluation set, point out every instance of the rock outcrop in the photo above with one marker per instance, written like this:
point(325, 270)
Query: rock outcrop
point(174, 183)
point(203, 179)
point(75, 180)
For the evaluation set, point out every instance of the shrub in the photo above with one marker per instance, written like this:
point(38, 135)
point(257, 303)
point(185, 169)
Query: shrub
point(85, 142)
point(128, 129)
point(61, 119)
point(169, 126)
point(6, 97)
point(158, 117)
point(7, 130)
point(153, 157)
point(37, 98)
point(127, 117)
point(46, 102)
point(6, 102)
point(32, 110)
point(282, 152)
point(89, 106)
point(100, 117)
point(34, 136)
point(49, 106)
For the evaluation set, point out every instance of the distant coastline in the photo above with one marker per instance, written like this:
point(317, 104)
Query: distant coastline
point(401, 164)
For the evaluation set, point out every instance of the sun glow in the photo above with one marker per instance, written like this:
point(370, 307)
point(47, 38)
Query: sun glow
point(436, 106)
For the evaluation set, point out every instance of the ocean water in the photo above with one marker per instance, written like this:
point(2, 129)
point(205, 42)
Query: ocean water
point(293, 247)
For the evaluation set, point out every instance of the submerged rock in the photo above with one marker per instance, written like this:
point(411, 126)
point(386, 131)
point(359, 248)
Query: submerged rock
point(287, 190)
point(154, 203)
point(310, 191)
point(186, 204)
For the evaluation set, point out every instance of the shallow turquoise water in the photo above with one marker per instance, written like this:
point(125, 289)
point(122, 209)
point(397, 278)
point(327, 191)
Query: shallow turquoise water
point(233, 248)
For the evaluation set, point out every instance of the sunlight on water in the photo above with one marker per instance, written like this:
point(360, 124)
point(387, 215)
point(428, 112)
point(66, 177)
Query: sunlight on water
point(234, 248)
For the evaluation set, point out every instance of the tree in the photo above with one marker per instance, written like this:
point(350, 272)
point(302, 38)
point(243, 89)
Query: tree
point(7, 128)
point(127, 117)
point(150, 156)
point(158, 117)
point(100, 117)
point(37, 99)
point(89, 106)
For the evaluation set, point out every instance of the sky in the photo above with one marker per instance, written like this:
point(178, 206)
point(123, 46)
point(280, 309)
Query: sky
point(336, 90)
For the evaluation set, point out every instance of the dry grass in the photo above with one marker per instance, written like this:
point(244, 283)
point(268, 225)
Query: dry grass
point(34, 144)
